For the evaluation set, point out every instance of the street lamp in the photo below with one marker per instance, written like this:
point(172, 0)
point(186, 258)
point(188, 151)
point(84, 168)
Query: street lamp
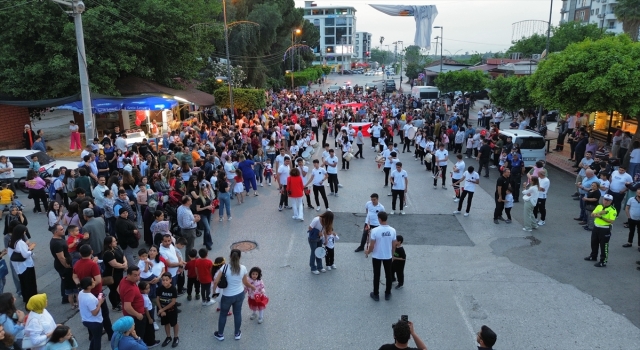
point(226, 42)
point(441, 41)
point(294, 32)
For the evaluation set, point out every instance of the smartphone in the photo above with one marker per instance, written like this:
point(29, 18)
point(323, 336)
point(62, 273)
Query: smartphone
point(100, 296)
point(404, 318)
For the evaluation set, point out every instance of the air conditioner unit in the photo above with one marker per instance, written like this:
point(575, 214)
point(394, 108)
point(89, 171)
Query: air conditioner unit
point(535, 56)
point(601, 15)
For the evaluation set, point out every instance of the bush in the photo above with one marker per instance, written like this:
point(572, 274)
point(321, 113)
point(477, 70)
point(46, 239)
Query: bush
point(243, 99)
point(302, 78)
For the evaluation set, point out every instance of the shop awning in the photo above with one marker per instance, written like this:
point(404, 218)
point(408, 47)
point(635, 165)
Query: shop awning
point(114, 104)
point(151, 103)
point(98, 105)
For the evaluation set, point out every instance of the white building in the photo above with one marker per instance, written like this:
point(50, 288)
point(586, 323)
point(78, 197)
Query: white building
point(337, 27)
point(363, 46)
point(599, 12)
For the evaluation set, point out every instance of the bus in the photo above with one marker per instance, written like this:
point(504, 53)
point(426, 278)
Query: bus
point(425, 93)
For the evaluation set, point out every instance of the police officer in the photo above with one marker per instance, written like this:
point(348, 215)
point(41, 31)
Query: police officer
point(604, 215)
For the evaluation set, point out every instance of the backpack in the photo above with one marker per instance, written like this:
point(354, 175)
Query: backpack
point(52, 190)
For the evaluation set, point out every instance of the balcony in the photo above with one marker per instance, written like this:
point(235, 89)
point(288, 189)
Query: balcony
point(610, 16)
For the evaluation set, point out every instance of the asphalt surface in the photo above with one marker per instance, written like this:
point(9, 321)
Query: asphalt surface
point(533, 289)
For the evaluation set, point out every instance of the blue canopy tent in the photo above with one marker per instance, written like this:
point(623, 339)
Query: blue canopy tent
point(151, 103)
point(114, 104)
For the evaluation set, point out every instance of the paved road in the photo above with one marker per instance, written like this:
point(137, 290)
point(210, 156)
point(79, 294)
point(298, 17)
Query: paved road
point(461, 273)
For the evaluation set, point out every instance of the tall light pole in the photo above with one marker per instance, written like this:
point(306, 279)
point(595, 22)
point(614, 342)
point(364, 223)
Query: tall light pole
point(294, 32)
point(437, 43)
point(226, 42)
point(385, 54)
point(441, 41)
point(78, 8)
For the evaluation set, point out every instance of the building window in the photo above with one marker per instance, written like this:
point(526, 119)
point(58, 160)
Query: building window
point(342, 11)
point(316, 22)
point(329, 31)
point(329, 12)
point(341, 21)
point(612, 24)
point(307, 12)
point(592, 12)
point(329, 22)
point(597, 11)
point(329, 49)
point(357, 48)
point(329, 40)
point(340, 32)
point(357, 42)
point(316, 12)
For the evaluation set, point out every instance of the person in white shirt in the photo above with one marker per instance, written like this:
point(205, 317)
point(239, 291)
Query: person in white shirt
point(617, 188)
point(372, 208)
point(441, 157)
point(456, 175)
point(471, 178)
point(405, 134)
point(543, 190)
point(374, 131)
point(332, 169)
point(281, 180)
point(387, 163)
point(359, 143)
point(399, 186)
point(318, 176)
point(230, 171)
point(346, 148)
point(304, 171)
point(174, 262)
point(382, 246)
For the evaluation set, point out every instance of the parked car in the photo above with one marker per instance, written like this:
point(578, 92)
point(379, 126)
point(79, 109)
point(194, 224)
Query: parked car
point(21, 159)
point(390, 86)
point(552, 116)
point(334, 88)
point(370, 87)
point(345, 72)
point(135, 136)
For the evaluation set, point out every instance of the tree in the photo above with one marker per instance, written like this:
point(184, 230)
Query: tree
point(413, 70)
point(413, 54)
point(215, 70)
point(628, 11)
point(381, 56)
point(582, 78)
point(561, 36)
point(152, 39)
point(462, 80)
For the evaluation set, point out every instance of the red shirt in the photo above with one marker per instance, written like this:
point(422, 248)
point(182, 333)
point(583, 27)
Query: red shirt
point(191, 268)
point(88, 268)
point(295, 186)
point(204, 270)
point(129, 293)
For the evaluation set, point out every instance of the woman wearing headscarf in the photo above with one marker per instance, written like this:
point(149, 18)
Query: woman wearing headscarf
point(125, 337)
point(23, 263)
point(40, 324)
point(13, 326)
point(36, 186)
point(15, 214)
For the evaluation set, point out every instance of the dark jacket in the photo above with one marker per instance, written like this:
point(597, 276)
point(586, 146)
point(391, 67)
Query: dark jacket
point(125, 234)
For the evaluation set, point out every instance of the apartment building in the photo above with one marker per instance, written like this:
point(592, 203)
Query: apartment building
point(337, 27)
point(363, 46)
point(599, 12)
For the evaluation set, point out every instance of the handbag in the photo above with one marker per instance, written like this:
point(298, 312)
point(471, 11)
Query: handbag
point(223, 283)
point(4, 271)
point(17, 257)
point(108, 280)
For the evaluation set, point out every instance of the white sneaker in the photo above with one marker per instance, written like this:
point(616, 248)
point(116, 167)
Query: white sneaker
point(328, 209)
point(261, 185)
point(457, 200)
point(456, 212)
point(336, 195)
point(541, 223)
point(391, 213)
point(323, 270)
point(401, 212)
point(333, 266)
point(211, 302)
point(204, 303)
point(269, 183)
point(316, 272)
point(253, 316)
point(260, 320)
point(331, 193)
point(328, 268)
point(435, 187)
point(318, 208)
point(229, 218)
point(339, 185)
point(389, 194)
point(155, 326)
point(466, 214)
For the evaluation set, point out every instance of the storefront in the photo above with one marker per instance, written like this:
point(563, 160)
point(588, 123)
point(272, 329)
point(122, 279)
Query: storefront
point(605, 124)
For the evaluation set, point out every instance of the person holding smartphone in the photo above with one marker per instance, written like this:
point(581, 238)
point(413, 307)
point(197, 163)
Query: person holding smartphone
point(402, 332)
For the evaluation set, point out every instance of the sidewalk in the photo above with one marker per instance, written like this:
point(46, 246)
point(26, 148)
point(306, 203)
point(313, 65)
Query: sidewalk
point(560, 159)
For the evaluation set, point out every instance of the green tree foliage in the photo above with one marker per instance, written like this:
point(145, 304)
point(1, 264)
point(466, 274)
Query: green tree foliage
point(512, 93)
point(413, 70)
point(216, 70)
point(381, 56)
point(582, 78)
point(462, 80)
point(261, 49)
point(628, 11)
point(561, 37)
point(413, 54)
point(147, 38)
point(243, 99)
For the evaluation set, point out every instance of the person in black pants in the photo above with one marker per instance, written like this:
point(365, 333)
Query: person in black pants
point(359, 143)
point(318, 176)
point(484, 157)
point(397, 262)
point(284, 199)
point(382, 237)
point(471, 179)
point(501, 193)
point(516, 165)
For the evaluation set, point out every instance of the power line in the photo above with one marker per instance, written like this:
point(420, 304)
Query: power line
point(10, 7)
point(474, 42)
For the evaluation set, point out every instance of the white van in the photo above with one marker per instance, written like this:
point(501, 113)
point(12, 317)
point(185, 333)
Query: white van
point(532, 145)
point(425, 93)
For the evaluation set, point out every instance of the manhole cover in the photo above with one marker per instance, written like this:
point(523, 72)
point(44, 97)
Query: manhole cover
point(244, 246)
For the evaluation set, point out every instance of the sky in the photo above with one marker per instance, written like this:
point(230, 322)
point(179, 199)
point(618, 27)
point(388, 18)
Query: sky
point(469, 25)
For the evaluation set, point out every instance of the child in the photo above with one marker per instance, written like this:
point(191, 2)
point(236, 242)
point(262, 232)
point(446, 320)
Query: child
point(238, 189)
point(166, 303)
point(604, 182)
point(508, 204)
point(146, 272)
point(398, 260)
point(149, 335)
point(180, 244)
point(6, 197)
point(330, 243)
point(217, 266)
point(268, 171)
point(90, 311)
point(35, 164)
point(469, 146)
point(257, 299)
point(203, 267)
point(502, 161)
point(62, 339)
point(192, 277)
point(73, 241)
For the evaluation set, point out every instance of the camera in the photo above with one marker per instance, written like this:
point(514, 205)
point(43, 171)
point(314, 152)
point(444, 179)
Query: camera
point(403, 318)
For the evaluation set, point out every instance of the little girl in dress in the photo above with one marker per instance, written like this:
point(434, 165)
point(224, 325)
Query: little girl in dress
point(238, 189)
point(257, 299)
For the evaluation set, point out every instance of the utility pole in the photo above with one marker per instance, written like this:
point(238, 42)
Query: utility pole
point(77, 8)
point(226, 42)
